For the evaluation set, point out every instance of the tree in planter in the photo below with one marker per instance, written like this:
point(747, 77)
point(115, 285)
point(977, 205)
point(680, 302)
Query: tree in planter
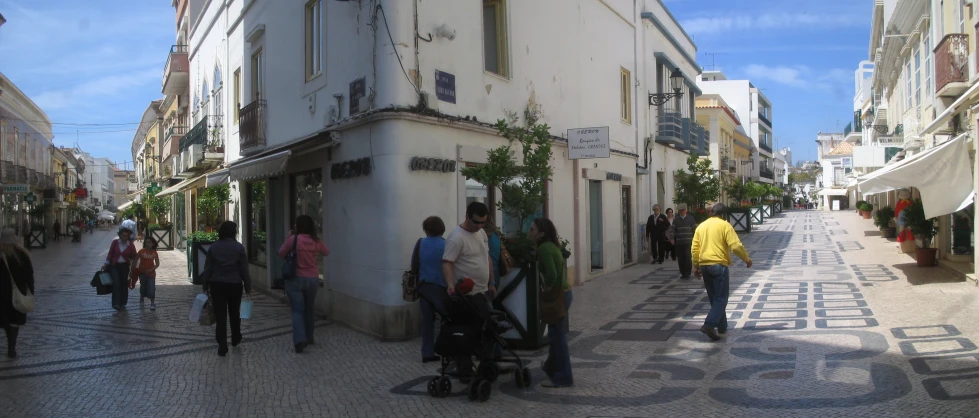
point(699, 186)
point(158, 208)
point(211, 201)
point(884, 217)
point(737, 192)
point(523, 186)
point(774, 192)
point(755, 191)
point(926, 229)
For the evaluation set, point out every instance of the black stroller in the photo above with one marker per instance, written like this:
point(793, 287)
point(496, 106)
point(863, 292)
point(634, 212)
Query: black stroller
point(470, 329)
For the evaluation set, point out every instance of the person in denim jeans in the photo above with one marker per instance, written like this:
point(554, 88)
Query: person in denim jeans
point(301, 289)
point(550, 262)
point(426, 262)
point(713, 242)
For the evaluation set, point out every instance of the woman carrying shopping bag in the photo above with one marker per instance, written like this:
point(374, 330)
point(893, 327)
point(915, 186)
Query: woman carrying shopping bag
point(225, 276)
point(122, 252)
point(17, 274)
point(302, 288)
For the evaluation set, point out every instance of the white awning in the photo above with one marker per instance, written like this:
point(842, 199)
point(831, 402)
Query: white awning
point(217, 178)
point(943, 175)
point(951, 110)
point(125, 206)
point(832, 192)
point(179, 186)
point(268, 166)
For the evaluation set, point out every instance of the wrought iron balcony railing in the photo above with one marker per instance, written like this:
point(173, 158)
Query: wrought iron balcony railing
point(251, 121)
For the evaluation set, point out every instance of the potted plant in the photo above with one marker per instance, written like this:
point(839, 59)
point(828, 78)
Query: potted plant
point(210, 202)
point(859, 205)
point(924, 229)
point(697, 185)
point(739, 218)
point(883, 219)
point(756, 191)
point(866, 210)
point(198, 244)
point(159, 229)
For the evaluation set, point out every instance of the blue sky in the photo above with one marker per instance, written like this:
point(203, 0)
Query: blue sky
point(802, 53)
point(91, 62)
point(101, 62)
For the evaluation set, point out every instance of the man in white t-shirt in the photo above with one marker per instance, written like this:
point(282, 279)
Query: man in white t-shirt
point(467, 252)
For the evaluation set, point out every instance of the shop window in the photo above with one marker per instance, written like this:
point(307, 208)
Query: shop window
point(595, 223)
point(963, 240)
point(257, 227)
point(307, 199)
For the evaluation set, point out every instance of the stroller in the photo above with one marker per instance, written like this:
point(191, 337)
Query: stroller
point(470, 328)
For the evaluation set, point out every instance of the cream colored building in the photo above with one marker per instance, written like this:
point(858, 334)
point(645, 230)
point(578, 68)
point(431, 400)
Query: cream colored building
point(730, 148)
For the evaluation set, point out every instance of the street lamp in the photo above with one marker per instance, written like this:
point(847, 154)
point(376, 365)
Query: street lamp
point(676, 83)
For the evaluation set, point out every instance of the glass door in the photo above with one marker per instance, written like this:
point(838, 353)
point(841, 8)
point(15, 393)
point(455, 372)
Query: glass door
point(626, 225)
point(180, 219)
point(595, 223)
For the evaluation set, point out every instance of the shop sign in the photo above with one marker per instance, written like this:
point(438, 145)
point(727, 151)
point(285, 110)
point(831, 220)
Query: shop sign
point(81, 193)
point(445, 87)
point(30, 198)
point(440, 165)
point(351, 169)
point(613, 176)
point(358, 89)
point(15, 188)
point(588, 143)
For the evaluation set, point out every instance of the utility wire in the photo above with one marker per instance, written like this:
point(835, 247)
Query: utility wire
point(81, 124)
point(396, 54)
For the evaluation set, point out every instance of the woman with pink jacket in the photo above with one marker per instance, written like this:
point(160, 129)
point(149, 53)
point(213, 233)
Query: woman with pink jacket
point(301, 289)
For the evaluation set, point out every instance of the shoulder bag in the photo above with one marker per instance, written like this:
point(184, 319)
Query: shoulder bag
point(552, 309)
point(23, 302)
point(409, 280)
point(506, 260)
point(289, 266)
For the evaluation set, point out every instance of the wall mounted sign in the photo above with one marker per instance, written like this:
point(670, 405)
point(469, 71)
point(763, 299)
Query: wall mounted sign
point(613, 176)
point(358, 89)
point(432, 164)
point(351, 169)
point(588, 143)
point(15, 188)
point(445, 86)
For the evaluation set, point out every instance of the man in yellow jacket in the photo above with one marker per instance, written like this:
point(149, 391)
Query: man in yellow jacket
point(710, 251)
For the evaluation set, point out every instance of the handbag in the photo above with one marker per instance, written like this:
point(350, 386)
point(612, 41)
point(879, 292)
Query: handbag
point(207, 316)
point(289, 266)
point(23, 302)
point(245, 312)
point(409, 280)
point(552, 309)
point(198, 307)
point(506, 260)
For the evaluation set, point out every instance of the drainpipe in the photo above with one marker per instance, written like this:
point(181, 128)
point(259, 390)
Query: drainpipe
point(576, 183)
point(638, 96)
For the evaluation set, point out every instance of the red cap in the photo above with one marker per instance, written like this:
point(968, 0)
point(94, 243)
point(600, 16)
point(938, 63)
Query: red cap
point(465, 286)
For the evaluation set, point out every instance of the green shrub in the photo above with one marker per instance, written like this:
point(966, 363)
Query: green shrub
point(884, 216)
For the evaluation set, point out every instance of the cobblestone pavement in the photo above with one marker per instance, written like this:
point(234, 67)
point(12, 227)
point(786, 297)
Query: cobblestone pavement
point(832, 321)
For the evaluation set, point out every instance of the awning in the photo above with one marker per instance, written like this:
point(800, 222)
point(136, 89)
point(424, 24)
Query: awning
point(125, 206)
point(268, 166)
point(217, 178)
point(179, 186)
point(943, 174)
point(832, 192)
point(951, 110)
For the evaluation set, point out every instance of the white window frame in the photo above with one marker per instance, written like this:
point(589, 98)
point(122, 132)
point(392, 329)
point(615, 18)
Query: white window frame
point(625, 92)
point(917, 78)
point(907, 86)
point(313, 38)
point(257, 74)
point(502, 38)
point(927, 43)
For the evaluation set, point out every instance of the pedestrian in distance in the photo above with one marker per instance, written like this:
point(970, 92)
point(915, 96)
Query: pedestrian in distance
point(57, 230)
point(426, 263)
point(550, 263)
point(656, 227)
point(225, 277)
point(670, 247)
point(301, 290)
point(18, 272)
point(681, 232)
point(122, 252)
point(713, 242)
point(145, 271)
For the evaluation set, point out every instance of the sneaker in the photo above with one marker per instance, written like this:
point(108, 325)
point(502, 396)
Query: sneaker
point(709, 331)
point(300, 347)
point(431, 359)
point(152, 306)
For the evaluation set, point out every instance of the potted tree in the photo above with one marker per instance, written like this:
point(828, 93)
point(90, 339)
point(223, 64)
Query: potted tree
point(924, 229)
point(755, 191)
point(159, 227)
point(697, 186)
point(866, 210)
point(859, 205)
point(738, 214)
point(883, 219)
point(210, 203)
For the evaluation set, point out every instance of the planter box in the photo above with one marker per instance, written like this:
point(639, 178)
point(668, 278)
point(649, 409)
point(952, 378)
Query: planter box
point(757, 215)
point(888, 232)
point(778, 207)
point(926, 257)
point(741, 221)
point(37, 238)
point(768, 210)
point(518, 297)
point(196, 255)
point(164, 239)
point(866, 215)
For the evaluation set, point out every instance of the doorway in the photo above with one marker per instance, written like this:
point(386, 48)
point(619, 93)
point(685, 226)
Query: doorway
point(595, 223)
point(626, 225)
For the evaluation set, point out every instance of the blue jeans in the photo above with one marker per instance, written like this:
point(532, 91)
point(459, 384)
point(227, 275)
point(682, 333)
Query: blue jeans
point(147, 287)
point(120, 284)
point(302, 297)
point(717, 282)
point(433, 301)
point(558, 363)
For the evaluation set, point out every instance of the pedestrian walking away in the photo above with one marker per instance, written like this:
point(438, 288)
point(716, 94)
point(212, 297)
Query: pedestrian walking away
point(122, 252)
point(301, 289)
point(17, 273)
point(225, 277)
point(713, 242)
point(681, 232)
point(656, 227)
point(551, 263)
point(426, 264)
point(670, 247)
point(145, 271)
point(57, 230)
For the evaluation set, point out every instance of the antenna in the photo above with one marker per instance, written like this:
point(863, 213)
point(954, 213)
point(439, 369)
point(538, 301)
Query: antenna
point(712, 55)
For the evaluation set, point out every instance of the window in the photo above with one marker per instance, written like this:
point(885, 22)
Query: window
point(908, 90)
point(314, 38)
point(961, 16)
point(917, 79)
point(258, 75)
point(257, 227)
point(237, 93)
point(494, 37)
point(625, 88)
point(307, 199)
point(927, 65)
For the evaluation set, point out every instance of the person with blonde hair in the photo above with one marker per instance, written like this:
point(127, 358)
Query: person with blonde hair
point(19, 271)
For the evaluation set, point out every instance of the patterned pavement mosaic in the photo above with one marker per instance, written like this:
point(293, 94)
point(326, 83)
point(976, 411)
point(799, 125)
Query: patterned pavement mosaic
point(830, 321)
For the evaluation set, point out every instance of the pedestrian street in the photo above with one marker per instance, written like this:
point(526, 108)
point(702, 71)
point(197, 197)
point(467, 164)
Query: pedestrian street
point(830, 321)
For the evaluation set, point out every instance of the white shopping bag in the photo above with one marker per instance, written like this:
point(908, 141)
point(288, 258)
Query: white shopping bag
point(195, 311)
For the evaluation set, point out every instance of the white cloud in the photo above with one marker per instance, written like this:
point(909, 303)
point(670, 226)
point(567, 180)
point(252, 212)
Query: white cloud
point(710, 25)
point(799, 76)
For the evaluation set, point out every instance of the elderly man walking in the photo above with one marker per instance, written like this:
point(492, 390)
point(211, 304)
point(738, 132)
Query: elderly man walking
point(682, 232)
point(713, 243)
point(656, 226)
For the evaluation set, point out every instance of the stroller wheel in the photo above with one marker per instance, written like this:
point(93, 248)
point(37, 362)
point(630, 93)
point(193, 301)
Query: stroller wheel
point(518, 379)
point(433, 387)
point(444, 387)
point(489, 370)
point(484, 389)
point(526, 377)
point(474, 389)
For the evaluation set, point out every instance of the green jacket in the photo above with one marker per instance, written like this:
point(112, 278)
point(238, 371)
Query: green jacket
point(550, 263)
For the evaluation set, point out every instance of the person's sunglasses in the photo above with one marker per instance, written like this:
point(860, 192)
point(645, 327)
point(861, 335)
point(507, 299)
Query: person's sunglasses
point(477, 222)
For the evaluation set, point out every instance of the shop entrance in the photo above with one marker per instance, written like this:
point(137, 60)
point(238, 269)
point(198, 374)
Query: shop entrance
point(595, 224)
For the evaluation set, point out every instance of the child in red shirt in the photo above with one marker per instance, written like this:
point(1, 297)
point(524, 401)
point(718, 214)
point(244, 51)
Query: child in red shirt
point(147, 261)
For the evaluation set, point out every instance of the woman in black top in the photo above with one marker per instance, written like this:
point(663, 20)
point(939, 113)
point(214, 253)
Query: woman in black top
point(225, 276)
point(17, 268)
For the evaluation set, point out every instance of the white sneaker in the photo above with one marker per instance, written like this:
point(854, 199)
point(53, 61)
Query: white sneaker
point(152, 306)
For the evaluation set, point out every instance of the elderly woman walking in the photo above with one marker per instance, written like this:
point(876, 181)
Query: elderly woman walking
point(19, 271)
point(225, 277)
point(122, 251)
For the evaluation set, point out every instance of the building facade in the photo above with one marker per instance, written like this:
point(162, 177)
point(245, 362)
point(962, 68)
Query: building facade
point(730, 148)
point(25, 154)
point(756, 110)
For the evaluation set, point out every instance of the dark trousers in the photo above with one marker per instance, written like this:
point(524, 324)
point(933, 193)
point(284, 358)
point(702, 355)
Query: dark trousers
point(226, 298)
point(682, 252)
point(120, 284)
point(11, 332)
point(657, 247)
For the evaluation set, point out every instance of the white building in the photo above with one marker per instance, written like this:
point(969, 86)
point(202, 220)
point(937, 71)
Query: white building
point(755, 111)
point(25, 145)
point(332, 126)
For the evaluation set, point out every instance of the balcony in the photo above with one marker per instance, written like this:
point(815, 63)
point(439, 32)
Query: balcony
point(171, 142)
point(251, 122)
point(765, 119)
point(208, 133)
point(766, 173)
point(951, 65)
point(765, 147)
point(176, 73)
